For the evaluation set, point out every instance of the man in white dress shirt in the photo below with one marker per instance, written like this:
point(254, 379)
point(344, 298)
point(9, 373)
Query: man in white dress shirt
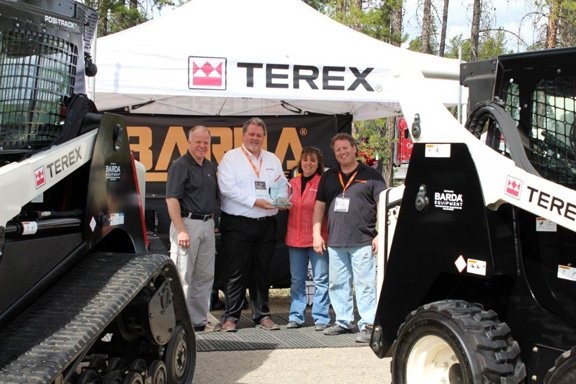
point(248, 224)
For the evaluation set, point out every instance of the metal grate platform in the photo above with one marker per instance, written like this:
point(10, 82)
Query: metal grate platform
point(249, 337)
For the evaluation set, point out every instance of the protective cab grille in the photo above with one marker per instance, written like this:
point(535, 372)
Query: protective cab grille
point(36, 80)
point(551, 133)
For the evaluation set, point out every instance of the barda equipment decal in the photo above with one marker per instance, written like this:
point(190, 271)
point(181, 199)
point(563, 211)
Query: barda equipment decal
point(113, 172)
point(448, 200)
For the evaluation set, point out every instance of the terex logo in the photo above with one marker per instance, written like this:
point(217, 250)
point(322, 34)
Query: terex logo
point(552, 203)
point(207, 72)
point(64, 162)
point(299, 76)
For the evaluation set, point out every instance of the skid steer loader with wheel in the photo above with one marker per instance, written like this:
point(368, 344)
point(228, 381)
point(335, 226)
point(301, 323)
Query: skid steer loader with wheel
point(82, 300)
point(478, 246)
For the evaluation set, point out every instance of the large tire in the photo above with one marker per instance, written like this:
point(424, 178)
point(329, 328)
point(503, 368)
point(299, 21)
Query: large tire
point(455, 342)
point(564, 370)
point(180, 356)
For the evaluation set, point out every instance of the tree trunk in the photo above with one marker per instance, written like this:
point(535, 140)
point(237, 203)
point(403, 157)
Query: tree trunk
point(475, 31)
point(552, 32)
point(425, 46)
point(387, 164)
point(396, 26)
point(444, 27)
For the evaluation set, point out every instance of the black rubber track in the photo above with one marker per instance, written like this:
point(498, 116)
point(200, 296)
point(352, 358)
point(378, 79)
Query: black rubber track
point(50, 334)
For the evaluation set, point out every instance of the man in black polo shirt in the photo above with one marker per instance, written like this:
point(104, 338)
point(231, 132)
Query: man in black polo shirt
point(192, 198)
point(349, 195)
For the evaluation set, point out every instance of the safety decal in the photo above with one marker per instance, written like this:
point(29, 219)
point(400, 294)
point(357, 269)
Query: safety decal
point(460, 263)
point(437, 150)
point(448, 200)
point(29, 227)
point(117, 218)
point(545, 225)
point(207, 73)
point(476, 267)
point(566, 273)
point(513, 187)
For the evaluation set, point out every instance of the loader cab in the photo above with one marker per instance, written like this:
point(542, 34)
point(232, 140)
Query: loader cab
point(538, 90)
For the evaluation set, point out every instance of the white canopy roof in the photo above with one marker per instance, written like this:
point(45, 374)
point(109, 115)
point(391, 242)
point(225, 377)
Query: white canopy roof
point(256, 57)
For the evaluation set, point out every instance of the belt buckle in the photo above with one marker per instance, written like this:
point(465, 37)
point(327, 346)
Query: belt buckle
point(206, 217)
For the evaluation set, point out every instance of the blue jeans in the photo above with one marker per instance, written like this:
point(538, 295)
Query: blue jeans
point(299, 258)
point(353, 265)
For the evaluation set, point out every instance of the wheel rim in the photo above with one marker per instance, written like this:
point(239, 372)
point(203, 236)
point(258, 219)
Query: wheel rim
point(158, 372)
point(181, 356)
point(133, 378)
point(433, 361)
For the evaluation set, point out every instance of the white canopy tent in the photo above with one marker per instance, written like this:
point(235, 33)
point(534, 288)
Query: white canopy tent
point(257, 57)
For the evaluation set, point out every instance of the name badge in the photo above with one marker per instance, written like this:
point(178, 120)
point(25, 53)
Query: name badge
point(341, 204)
point(260, 187)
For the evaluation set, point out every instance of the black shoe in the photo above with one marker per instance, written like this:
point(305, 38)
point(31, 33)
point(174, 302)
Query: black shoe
point(199, 328)
point(336, 330)
point(292, 325)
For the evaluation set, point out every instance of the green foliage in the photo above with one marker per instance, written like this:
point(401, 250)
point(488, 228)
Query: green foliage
point(492, 44)
point(373, 19)
point(124, 18)
point(373, 140)
point(117, 15)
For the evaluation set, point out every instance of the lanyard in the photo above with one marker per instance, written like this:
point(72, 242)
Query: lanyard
point(348, 183)
point(256, 170)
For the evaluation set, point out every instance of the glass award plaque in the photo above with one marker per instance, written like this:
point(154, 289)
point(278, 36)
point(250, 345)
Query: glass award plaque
point(281, 193)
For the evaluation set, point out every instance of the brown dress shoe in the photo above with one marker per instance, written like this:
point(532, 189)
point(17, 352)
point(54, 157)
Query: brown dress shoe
point(267, 324)
point(229, 326)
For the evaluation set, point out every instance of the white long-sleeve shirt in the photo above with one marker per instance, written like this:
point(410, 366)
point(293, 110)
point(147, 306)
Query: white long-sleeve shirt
point(237, 179)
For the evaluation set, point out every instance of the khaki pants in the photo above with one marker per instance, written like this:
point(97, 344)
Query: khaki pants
point(196, 266)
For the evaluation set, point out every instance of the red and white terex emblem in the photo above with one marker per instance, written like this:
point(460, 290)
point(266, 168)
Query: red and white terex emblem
point(39, 177)
point(513, 187)
point(207, 72)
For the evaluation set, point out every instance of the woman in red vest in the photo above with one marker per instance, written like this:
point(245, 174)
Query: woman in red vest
point(299, 242)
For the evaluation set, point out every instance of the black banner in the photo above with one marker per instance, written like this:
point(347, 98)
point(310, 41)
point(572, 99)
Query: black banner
point(158, 140)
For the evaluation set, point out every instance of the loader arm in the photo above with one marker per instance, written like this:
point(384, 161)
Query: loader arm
point(21, 182)
point(503, 181)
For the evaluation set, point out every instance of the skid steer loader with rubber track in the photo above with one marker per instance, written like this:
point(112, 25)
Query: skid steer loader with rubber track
point(479, 243)
point(82, 300)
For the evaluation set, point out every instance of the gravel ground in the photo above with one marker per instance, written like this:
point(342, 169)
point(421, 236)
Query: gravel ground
point(290, 366)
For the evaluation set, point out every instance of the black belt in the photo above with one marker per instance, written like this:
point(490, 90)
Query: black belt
point(198, 216)
point(249, 218)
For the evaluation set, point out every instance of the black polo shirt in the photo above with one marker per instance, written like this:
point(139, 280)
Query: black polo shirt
point(357, 226)
point(195, 186)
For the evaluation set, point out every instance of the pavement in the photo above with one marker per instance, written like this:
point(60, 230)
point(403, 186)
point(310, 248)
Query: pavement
point(290, 366)
point(254, 356)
